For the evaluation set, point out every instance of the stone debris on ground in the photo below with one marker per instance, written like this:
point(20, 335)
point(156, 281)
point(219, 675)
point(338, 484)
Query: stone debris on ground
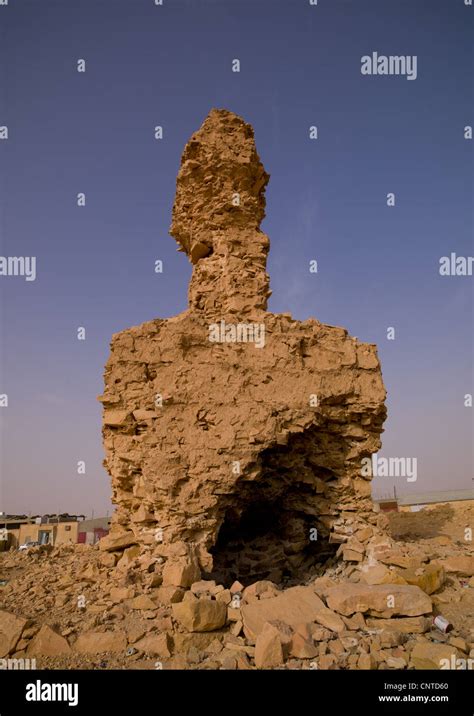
point(53, 610)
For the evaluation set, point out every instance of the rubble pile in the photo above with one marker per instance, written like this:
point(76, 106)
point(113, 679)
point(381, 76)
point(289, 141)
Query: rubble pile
point(244, 536)
point(372, 607)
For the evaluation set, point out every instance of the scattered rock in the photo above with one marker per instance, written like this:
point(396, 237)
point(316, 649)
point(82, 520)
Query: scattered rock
point(142, 602)
point(98, 642)
point(427, 655)
point(268, 648)
point(117, 540)
point(293, 606)
point(201, 615)
point(330, 620)
point(10, 632)
point(48, 643)
point(462, 565)
point(155, 644)
point(386, 600)
point(181, 572)
point(429, 578)
point(409, 625)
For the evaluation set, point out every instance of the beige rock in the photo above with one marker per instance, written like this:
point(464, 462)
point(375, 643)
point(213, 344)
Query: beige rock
point(462, 565)
point(380, 574)
point(354, 623)
point(387, 600)
point(170, 595)
point(236, 628)
point(320, 634)
point(48, 643)
point(322, 585)
point(225, 597)
point(327, 661)
point(117, 540)
point(90, 574)
point(396, 662)
point(98, 642)
point(301, 647)
point(350, 555)
point(243, 662)
point(233, 614)
point(286, 633)
point(399, 559)
point(115, 418)
point(155, 644)
point(293, 606)
point(11, 628)
point(364, 534)
point(199, 640)
point(128, 556)
point(427, 655)
point(203, 586)
point(181, 572)
point(366, 662)
point(352, 550)
point(459, 643)
point(268, 648)
point(390, 638)
point(349, 642)
point(120, 594)
point(108, 559)
point(257, 589)
point(429, 578)
point(135, 631)
point(408, 625)
point(330, 620)
point(236, 587)
point(142, 602)
point(201, 615)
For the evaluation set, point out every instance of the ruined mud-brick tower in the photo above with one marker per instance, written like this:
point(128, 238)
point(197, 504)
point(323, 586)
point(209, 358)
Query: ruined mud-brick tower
point(231, 444)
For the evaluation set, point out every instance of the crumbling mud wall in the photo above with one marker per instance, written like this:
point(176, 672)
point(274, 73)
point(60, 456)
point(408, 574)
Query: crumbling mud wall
point(234, 436)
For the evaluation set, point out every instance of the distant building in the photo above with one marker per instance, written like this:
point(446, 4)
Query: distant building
point(386, 505)
point(91, 531)
point(417, 501)
point(53, 529)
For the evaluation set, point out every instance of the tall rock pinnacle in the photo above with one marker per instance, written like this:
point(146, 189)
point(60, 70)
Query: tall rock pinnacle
point(218, 209)
point(232, 434)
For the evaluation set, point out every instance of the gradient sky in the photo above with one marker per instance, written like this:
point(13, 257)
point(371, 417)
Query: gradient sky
point(167, 65)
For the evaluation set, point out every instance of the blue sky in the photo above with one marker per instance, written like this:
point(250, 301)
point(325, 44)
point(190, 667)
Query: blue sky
point(93, 132)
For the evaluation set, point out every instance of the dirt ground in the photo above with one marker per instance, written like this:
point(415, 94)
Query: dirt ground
point(43, 587)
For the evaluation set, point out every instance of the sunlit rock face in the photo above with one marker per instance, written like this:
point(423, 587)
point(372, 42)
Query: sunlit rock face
point(234, 436)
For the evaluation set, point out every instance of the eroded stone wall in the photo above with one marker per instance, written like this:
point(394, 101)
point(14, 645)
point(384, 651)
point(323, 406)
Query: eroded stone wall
point(198, 429)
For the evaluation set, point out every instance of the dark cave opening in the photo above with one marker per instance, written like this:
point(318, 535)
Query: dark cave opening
point(277, 527)
point(260, 545)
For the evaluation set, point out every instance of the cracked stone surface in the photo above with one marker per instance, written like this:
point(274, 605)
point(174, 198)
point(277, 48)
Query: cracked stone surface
point(228, 453)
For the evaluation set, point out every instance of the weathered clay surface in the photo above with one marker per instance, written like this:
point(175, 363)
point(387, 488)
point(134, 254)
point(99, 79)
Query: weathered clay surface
point(236, 449)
